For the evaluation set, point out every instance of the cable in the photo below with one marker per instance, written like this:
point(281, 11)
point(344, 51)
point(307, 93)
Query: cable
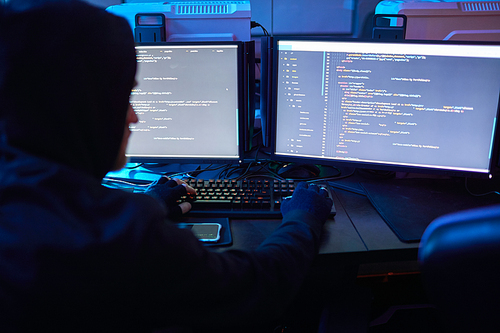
point(256, 168)
point(254, 24)
point(478, 194)
point(138, 165)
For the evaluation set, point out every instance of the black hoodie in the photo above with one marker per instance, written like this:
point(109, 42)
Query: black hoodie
point(65, 82)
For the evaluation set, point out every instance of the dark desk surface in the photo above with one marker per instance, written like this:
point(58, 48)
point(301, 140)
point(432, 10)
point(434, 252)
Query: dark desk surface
point(379, 241)
point(356, 235)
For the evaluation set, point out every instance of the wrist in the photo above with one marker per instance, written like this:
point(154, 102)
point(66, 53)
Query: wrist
point(303, 216)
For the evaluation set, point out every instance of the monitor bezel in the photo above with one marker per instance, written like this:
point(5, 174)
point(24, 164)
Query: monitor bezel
point(494, 167)
point(242, 104)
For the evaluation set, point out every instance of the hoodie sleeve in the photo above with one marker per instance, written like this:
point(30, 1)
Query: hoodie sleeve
point(199, 288)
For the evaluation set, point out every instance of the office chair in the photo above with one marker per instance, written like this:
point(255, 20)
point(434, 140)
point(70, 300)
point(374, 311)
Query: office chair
point(459, 256)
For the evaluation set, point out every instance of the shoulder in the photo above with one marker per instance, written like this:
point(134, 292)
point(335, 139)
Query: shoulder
point(33, 188)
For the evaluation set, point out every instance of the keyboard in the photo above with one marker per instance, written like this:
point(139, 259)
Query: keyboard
point(247, 198)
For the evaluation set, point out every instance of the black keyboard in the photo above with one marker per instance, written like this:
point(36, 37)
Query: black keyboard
point(247, 198)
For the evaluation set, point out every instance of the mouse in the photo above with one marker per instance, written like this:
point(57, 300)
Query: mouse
point(299, 171)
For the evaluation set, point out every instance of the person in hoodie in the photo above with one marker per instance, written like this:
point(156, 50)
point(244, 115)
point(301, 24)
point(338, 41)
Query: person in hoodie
point(76, 256)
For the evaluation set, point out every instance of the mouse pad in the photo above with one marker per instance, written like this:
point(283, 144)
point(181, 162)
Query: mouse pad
point(408, 206)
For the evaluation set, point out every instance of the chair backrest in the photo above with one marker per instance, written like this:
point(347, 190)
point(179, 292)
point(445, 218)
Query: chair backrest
point(459, 257)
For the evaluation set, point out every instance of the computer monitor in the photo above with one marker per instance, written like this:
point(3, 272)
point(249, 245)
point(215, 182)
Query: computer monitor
point(407, 106)
point(190, 103)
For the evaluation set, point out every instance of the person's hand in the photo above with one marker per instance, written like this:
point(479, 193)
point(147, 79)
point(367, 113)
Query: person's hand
point(310, 198)
point(169, 191)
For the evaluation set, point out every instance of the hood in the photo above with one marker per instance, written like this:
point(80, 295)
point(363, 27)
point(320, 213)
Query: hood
point(66, 71)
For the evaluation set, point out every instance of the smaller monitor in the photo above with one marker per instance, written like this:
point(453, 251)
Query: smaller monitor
point(428, 107)
point(190, 103)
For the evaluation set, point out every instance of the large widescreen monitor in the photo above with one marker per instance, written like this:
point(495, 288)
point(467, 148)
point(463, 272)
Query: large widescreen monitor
point(190, 103)
point(406, 106)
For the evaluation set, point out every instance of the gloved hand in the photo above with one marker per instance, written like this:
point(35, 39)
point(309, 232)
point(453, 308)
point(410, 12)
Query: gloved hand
point(169, 191)
point(310, 198)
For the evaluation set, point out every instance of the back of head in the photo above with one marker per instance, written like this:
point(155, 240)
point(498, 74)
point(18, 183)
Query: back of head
point(66, 71)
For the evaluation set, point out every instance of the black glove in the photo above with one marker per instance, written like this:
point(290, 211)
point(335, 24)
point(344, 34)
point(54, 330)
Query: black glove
point(169, 192)
point(309, 198)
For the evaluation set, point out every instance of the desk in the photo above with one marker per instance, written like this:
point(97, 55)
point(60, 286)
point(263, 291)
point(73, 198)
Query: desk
point(380, 242)
point(356, 235)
